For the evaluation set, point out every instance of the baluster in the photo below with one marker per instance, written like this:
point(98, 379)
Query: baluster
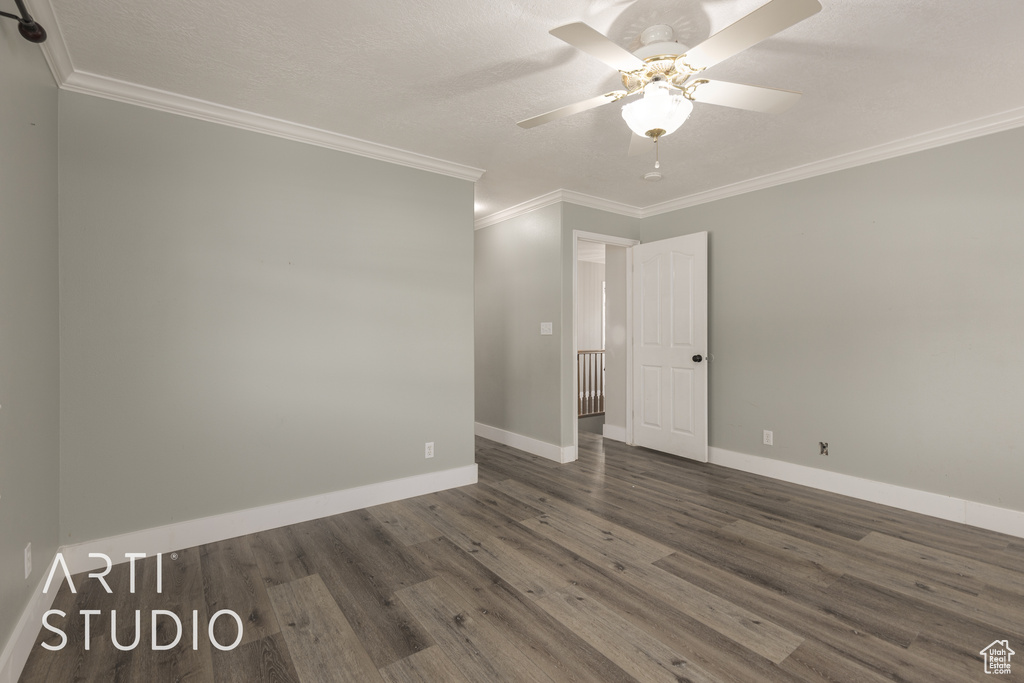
point(593, 388)
point(586, 384)
point(591, 383)
point(586, 388)
point(579, 382)
point(590, 378)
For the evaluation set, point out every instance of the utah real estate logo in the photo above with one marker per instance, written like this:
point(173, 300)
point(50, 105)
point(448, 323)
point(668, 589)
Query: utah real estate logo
point(997, 657)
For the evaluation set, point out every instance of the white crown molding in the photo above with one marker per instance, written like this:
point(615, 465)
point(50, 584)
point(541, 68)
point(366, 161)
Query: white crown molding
point(162, 100)
point(519, 209)
point(918, 143)
point(55, 50)
point(68, 78)
point(608, 205)
point(555, 197)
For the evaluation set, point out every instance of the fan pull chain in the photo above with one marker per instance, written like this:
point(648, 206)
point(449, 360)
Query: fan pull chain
point(657, 159)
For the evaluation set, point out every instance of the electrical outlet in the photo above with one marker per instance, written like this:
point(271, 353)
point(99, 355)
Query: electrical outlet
point(429, 453)
point(767, 437)
point(823, 448)
point(547, 328)
point(28, 560)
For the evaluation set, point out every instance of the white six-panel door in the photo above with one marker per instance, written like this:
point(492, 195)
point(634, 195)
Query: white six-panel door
point(670, 332)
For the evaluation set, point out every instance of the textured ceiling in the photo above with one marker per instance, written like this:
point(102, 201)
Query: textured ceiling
point(449, 79)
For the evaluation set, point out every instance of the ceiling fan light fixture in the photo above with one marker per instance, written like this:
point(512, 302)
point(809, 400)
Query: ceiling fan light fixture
point(660, 112)
point(659, 41)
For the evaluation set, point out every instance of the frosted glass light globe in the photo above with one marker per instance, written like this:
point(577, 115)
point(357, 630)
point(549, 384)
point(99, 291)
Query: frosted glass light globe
point(661, 111)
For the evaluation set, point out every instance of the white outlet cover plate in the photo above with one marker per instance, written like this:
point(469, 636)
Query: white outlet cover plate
point(547, 328)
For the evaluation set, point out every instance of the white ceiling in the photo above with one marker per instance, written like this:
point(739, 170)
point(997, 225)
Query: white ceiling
point(448, 79)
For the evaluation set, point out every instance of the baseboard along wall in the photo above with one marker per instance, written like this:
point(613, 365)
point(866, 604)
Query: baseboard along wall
point(562, 454)
point(220, 527)
point(971, 513)
point(614, 432)
point(195, 532)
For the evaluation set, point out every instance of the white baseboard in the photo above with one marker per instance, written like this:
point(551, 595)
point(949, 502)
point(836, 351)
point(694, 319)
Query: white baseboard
point(562, 454)
point(165, 539)
point(195, 532)
point(615, 433)
point(19, 646)
point(950, 508)
point(994, 518)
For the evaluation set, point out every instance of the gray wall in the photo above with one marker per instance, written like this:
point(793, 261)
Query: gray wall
point(880, 309)
point(524, 382)
point(248, 320)
point(29, 332)
point(589, 305)
point(519, 286)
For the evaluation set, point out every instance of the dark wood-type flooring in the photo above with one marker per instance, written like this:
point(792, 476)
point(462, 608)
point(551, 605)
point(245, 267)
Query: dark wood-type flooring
point(627, 565)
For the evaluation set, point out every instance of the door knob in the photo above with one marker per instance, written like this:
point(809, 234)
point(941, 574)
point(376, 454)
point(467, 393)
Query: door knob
point(698, 358)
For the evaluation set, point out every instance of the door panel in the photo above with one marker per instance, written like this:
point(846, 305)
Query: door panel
point(650, 415)
point(683, 418)
point(650, 311)
point(682, 292)
point(670, 388)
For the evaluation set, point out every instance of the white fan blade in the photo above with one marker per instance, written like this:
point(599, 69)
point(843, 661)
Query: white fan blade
point(571, 109)
point(750, 97)
point(639, 145)
point(595, 44)
point(762, 23)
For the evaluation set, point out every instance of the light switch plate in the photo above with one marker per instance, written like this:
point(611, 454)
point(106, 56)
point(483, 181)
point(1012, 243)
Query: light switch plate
point(547, 328)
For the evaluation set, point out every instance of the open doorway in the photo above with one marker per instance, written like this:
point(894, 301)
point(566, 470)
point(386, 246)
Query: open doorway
point(591, 312)
point(601, 323)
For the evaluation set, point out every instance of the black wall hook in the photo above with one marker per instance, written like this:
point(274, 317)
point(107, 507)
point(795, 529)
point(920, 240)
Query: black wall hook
point(27, 26)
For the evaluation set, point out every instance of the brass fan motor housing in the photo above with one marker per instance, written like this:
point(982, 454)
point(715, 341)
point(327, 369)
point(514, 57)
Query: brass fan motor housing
point(656, 68)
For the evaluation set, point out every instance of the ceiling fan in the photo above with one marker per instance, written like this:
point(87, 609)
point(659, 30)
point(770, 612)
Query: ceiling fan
point(667, 72)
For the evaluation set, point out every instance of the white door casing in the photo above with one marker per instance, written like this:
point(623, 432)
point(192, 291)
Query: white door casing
point(670, 292)
point(571, 397)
